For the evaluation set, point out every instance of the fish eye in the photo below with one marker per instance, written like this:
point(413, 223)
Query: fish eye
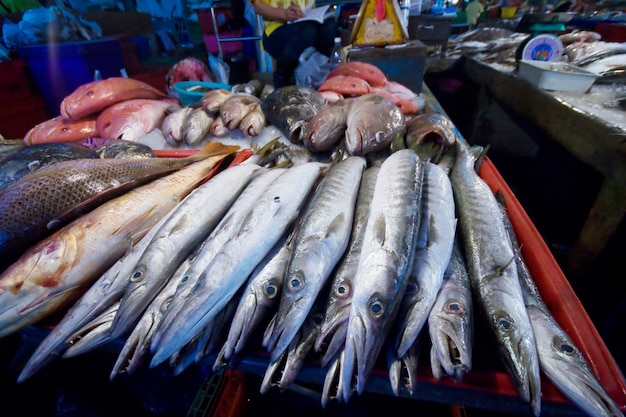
point(454, 307)
point(65, 129)
point(277, 199)
point(166, 304)
point(317, 319)
point(296, 281)
point(411, 288)
point(343, 290)
point(185, 278)
point(377, 307)
point(564, 346)
point(271, 289)
point(137, 275)
point(90, 93)
point(504, 322)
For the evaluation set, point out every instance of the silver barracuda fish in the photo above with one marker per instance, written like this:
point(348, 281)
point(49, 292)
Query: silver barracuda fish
point(272, 215)
point(262, 293)
point(384, 266)
point(283, 371)
point(190, 223)
point(59, 269)
point(92, 335)
point(335, 324)
point(450, 322)
point(321, 238)
point(493, 274)
point(222, 233)
point(107, 290)
point(137, 346)
point(559, 357)
point(432, 254)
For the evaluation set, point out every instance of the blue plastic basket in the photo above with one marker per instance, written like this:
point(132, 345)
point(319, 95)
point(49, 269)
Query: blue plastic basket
point(190, 92)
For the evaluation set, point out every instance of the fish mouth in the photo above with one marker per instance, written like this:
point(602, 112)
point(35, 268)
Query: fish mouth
point(286, 331)
point(332, 337)
point(403, 371)
point(137, 345)
point(452, 351)
point(242, 325)
point(296, 132)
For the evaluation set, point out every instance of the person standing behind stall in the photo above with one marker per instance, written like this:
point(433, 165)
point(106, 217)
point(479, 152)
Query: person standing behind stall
point(473, 10)
point(285, 41)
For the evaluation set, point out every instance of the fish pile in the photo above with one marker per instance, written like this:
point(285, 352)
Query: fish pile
point(336, 263)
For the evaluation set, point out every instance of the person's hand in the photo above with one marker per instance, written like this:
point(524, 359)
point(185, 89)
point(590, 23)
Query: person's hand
point(294, 12)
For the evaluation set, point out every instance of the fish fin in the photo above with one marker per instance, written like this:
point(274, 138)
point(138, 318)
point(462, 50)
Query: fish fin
point(132, 226)
point(480, 158)
point(215, 149)
point(53, 298)
point(380, 226)
point(336, 225)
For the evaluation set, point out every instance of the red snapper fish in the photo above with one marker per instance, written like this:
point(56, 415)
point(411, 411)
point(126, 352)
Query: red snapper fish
point(134, 118)
point(346, 85)
point(60, 268)
point(61, 130)
point(363, 70)
point(93, 97)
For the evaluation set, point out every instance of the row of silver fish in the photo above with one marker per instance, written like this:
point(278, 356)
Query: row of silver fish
point(292, 235)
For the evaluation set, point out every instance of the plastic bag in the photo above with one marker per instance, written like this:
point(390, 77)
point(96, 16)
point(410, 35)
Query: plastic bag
point(220, 69)
point(312, 69)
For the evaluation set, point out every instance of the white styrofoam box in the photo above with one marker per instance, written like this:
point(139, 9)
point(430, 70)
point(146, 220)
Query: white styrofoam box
point(558, 76)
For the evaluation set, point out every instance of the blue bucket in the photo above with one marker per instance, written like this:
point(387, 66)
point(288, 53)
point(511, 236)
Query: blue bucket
point(190, 92)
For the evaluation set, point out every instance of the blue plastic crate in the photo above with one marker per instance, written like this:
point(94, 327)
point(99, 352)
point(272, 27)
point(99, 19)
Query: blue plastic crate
point(60, 68)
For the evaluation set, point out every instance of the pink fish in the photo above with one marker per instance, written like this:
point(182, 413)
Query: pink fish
point(59, 129)
point(132, 119)
point(347, 85)
point(406, 106)
point(364, 70)
point(93, 97)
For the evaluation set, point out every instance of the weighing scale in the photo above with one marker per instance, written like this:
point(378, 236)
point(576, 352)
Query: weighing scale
point(543, 44)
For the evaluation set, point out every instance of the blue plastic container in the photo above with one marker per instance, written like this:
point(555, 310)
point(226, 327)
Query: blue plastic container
point(190, 92)
point(60, 68)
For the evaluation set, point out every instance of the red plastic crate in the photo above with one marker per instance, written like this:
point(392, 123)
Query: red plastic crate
point(222, 16)
point(228, 48)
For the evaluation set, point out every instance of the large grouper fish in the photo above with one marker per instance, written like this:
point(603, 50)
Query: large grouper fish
point(290, 108)
point(40, 202)
point(60, 268)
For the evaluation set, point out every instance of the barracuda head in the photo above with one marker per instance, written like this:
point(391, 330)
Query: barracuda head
point(333, 329)
point(403, 371)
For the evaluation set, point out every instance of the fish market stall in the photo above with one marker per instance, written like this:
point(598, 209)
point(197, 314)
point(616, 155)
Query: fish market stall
point(162, 270)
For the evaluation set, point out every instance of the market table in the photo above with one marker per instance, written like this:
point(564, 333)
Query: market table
point(595, 140)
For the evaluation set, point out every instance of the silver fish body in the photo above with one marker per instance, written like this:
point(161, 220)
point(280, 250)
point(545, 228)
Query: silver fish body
point(493, 275)
point(263, 226)
point(261, 294)
point(450, 322)
point(59, 269)
point(334, 326)
point(432, 254)
point(372, 124)
point(321, 238)
point(384, 266)
point(559, 357)
point(222, 233)
point(189, 223)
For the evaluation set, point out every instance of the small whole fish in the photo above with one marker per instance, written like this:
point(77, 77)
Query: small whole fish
point(28, 159)
point(263, 226)
point(196, 126)
point(93, 97)
point(320, 240)
point(44, 200)
point(121, 149)
point(133, 118)
point(236, 107)
point(212, 100)
point(429, 134)
point(172, 126)
point(450, 322)
point(346, 85)
point(373, 124)
point(327, 127)
point(363, 70)
point(384, 266)
point(253, 122)
point(493, 274)
point(59, 129)
point(59, 269)
point(218, 128)
point(290, 108)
